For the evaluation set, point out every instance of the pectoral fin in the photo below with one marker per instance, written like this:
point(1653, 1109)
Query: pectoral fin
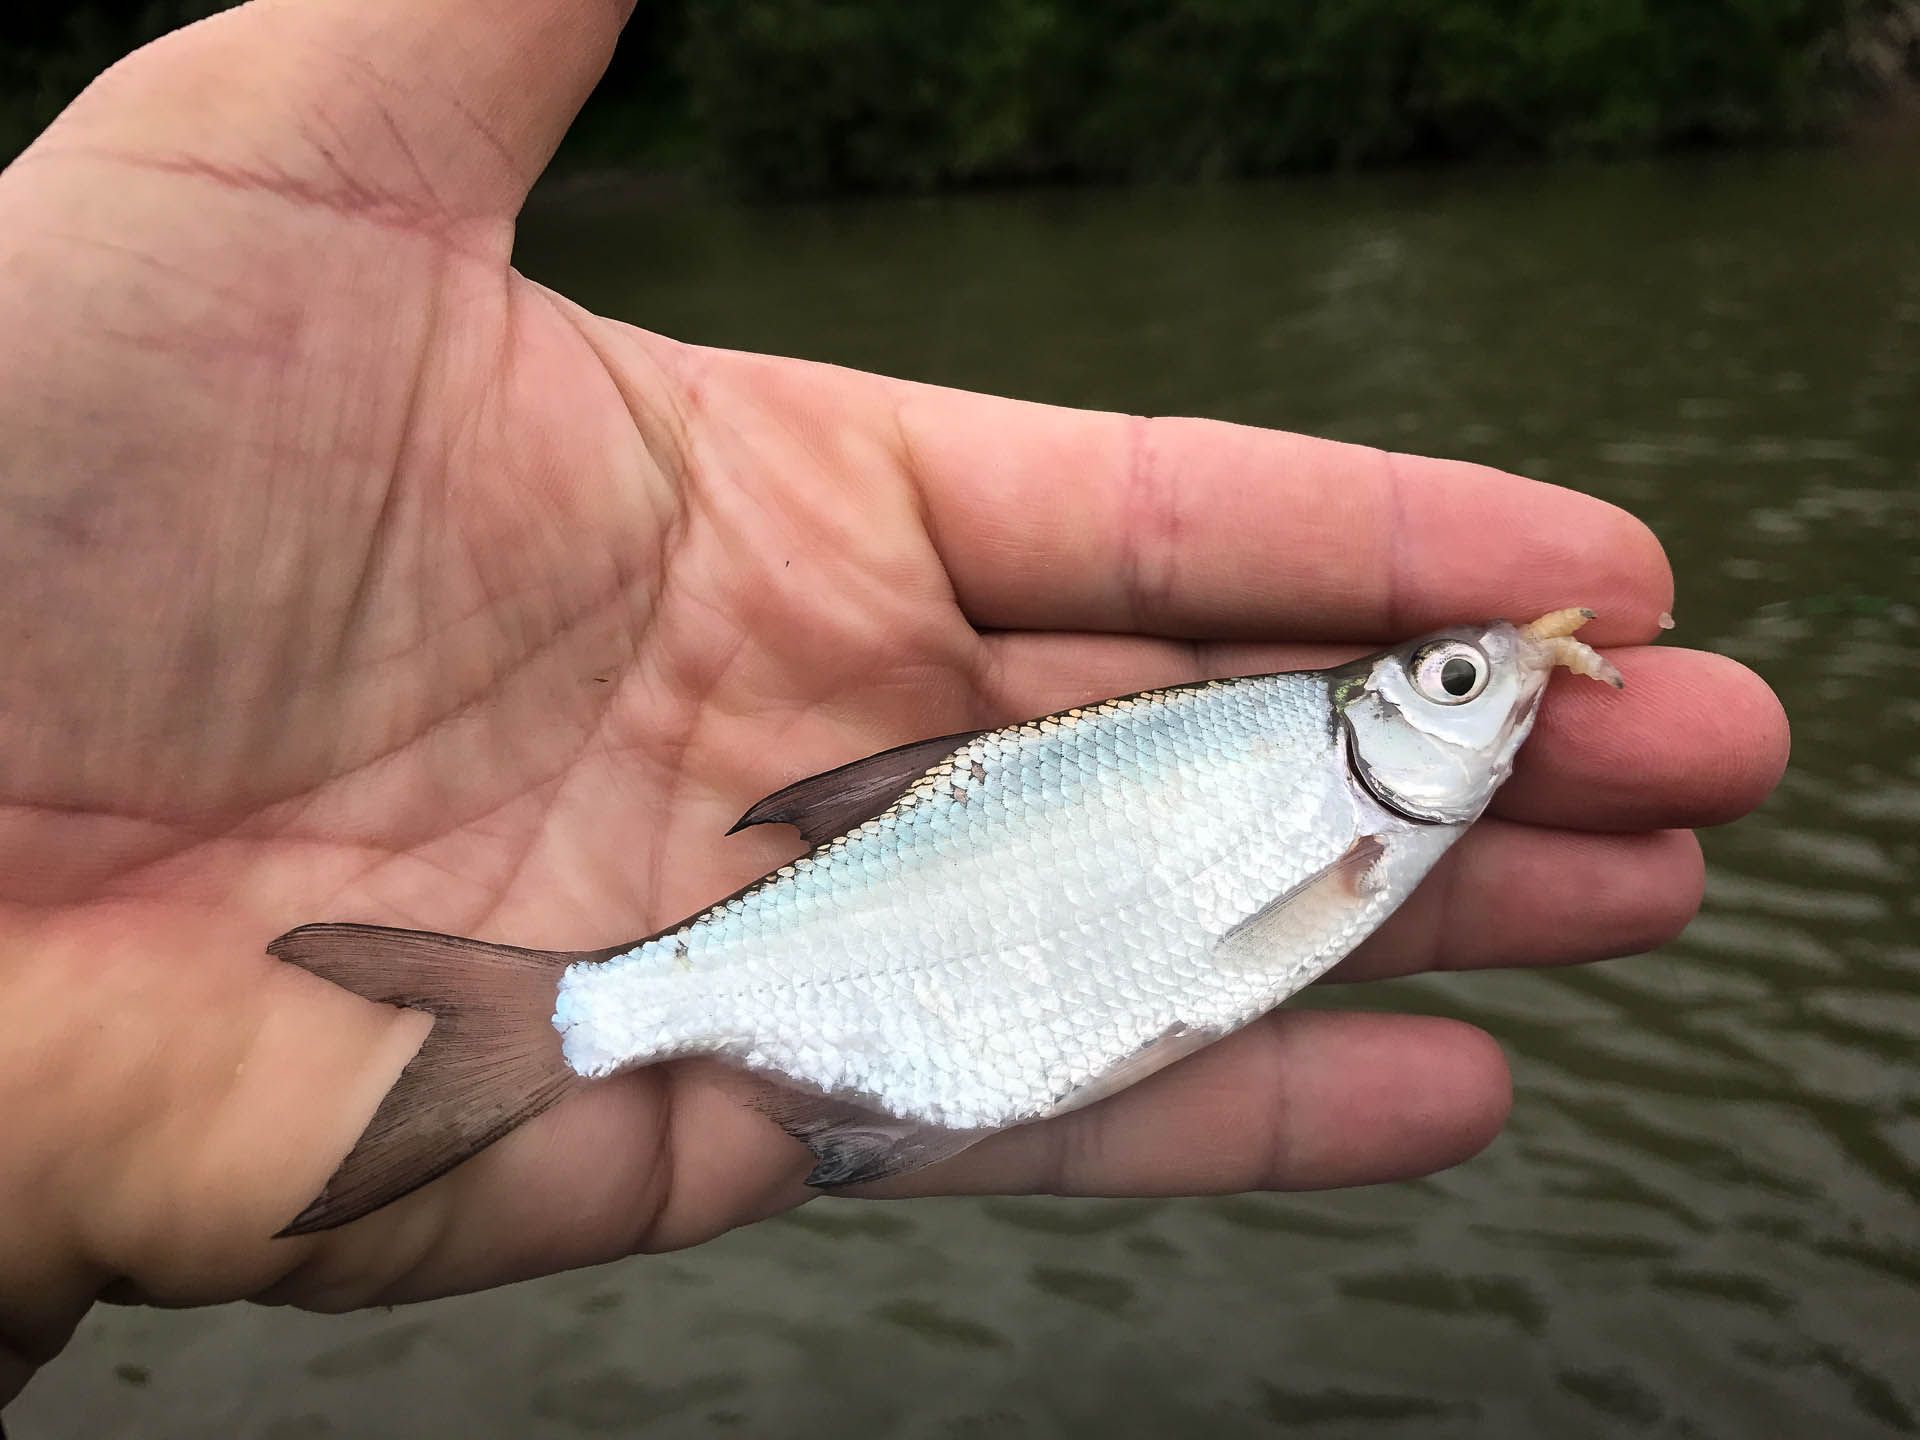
point(1292, 924)
point(835, 801)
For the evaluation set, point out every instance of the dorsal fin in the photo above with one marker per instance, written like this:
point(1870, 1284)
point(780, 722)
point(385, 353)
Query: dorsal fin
point(834, 801)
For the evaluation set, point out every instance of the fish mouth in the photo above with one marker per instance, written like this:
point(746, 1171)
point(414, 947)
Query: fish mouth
point(1549, 641)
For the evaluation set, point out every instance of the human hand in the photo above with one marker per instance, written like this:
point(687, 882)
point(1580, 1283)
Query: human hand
point(361, 578)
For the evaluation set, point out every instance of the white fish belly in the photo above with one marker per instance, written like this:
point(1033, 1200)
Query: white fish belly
point(1029, 917)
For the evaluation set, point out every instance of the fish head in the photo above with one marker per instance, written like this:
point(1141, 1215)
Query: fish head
point(1432, 726)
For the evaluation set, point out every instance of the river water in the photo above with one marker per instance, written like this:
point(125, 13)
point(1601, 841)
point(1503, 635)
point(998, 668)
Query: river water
point(1703, 1218)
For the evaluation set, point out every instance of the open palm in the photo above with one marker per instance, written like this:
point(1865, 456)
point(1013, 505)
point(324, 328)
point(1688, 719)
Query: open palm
point(353, 576)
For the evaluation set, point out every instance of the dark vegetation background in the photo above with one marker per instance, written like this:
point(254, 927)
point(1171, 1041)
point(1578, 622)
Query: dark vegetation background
point(820, 96)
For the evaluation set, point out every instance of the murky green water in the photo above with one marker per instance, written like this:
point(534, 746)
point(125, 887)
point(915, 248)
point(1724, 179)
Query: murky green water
point(1703, 1220)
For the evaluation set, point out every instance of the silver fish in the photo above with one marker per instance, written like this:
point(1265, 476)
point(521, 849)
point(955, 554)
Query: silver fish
point(993, 927)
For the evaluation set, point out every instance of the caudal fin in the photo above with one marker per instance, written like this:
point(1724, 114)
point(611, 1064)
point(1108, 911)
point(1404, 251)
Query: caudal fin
point(491, 1062)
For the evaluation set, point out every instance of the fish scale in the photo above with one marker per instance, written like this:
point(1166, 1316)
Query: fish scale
point(1070, 879)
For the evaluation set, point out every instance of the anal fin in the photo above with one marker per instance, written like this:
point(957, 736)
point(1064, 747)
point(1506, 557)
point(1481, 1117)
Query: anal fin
point(853, 1144)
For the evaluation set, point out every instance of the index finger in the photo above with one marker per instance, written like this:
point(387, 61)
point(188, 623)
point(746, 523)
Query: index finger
point(1049, 518)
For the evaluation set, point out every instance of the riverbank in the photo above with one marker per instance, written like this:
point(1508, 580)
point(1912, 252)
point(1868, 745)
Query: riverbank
point(819, 97)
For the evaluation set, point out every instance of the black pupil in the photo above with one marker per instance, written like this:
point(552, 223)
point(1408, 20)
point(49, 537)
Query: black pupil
point(1457, 676)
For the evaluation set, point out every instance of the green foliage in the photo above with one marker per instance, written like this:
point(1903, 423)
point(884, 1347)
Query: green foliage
point(825, 94)
point(812, 95)
point(828, 95)
point(49, 53)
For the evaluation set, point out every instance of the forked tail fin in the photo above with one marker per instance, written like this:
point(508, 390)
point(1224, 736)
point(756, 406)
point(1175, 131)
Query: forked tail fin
point(490, 1063)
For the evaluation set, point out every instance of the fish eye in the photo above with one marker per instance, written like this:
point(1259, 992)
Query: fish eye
point(1449, 672)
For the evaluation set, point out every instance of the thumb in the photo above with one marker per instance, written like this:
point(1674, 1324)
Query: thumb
point(435, 110)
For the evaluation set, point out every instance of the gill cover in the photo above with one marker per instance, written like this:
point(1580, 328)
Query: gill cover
point(1428, 754)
